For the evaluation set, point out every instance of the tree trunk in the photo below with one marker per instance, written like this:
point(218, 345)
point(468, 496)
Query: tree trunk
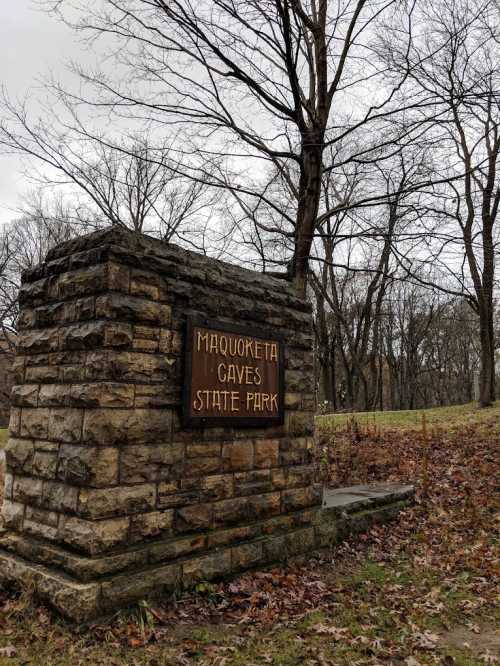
point(307, 212)
point(487, 372)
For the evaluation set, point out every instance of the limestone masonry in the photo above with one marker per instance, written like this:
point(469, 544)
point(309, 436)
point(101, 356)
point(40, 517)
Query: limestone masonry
point(108, 498)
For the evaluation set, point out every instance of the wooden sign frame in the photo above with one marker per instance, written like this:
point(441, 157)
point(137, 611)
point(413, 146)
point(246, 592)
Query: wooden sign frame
point(191, 421)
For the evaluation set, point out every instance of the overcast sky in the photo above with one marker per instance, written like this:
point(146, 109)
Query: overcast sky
point(31, 45)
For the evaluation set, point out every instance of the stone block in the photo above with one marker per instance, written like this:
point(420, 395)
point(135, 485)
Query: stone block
point(275, 549)
point(220, 486)
point(53, 395)
point(202, 466)
point(295, 451)
point(237, 456)
point(300, 541)
point(83, 282)
point(72, 373)
point(19, 455)
point(149, 463)
point(326, 534)
point(48, 447)
point(53, 314)
point(26, 319)
point(67, 357)
point(226, 537)
point(40, 523)
point(203, 450)
point(125, 589)
point(40, 530)
point(173, 548)
point(7, 486)
point(78, 601)
point(27, 490)
point(246, 556)
point(130, 308)
point(145, 345)
point(17, 370)
point(298, 381)
point(231, 511)
point(193, 518)
point(59, 497)
point(263, 506)
point(143, 332)
point(42, 373)
point(65, 425)
point(34, 423)
point(36, 341)
point(299, 498)
point(122, 427)
point(117, 501)
point(300, 475)
point(254, 482)
point(144, 284)
point(93, 537)
point(82, 308)
point(266, 453)
point(25, 395)
point(170, 342)
point(299, 423)
point(156, 395)
point(34, 291)
point(102, 394)
point(118, 334)
point(118, 277)
point(280, 523)
point(15, 421)
point(125, 366)
point(88, 465)
point(166, 498)
point(207, 567)
point(293, 400)
point(48, 518)
point(278, 478)
point(308, 403)
point(83, 336)
point(151, 525)
point(45, 464)
point(13, 514)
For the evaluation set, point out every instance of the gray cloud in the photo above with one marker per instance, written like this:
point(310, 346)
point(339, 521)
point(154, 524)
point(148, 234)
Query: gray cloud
point(32, 44)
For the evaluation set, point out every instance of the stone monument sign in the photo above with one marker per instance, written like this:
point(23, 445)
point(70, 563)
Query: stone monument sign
point(161, 427)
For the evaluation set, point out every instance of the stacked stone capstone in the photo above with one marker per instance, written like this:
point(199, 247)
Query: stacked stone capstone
point(104, 489)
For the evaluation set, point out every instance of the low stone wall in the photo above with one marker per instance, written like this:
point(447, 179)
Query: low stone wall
point(345, 512)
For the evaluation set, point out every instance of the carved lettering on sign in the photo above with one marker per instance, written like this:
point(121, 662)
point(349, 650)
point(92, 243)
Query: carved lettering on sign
point(234, 376)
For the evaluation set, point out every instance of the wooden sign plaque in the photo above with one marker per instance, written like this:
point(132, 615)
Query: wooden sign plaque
point(234, 376)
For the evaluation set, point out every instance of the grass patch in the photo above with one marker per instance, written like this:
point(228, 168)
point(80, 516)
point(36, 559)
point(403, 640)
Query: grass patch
point(456, 416)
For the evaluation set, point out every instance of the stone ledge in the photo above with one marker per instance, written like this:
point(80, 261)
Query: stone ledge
point(355, 498)
point(138, 250)
point(82, 601)
point(154, 551)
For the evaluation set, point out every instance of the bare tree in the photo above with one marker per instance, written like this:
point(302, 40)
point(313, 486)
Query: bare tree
point(455, 68)
point(257, 81)
point(130, 183)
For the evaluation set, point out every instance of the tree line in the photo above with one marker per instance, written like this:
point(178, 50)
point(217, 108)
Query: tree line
point(351, 147)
